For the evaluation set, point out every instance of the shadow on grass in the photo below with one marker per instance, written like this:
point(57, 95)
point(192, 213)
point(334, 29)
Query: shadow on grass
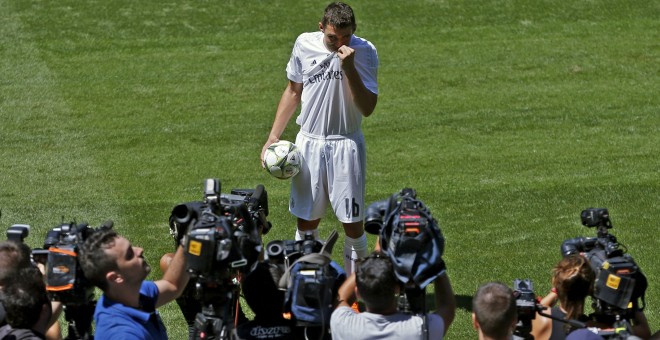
point(463, 302)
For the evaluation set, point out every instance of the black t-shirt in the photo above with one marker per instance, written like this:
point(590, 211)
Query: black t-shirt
point(559, 329)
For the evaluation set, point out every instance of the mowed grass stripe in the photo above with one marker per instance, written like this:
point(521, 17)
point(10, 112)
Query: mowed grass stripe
point(43, 148)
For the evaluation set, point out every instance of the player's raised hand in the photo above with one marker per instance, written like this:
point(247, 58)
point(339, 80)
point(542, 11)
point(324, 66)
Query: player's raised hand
point(346, 55)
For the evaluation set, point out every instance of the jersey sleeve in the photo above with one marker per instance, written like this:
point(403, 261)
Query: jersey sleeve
point(367, 66)
point(294, 67)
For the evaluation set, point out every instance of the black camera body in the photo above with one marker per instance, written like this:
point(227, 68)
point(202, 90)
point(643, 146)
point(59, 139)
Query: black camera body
point(526, 307)
point(222, 233)
point(221, 236)
point(18, 232)
point(288, 251)
point(309, 278)
point(620, 283)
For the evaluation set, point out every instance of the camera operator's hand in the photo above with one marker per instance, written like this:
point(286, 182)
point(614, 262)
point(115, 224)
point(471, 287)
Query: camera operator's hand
point(346, 294)
point(174, 280)
point(551, 299)
point(445, 301)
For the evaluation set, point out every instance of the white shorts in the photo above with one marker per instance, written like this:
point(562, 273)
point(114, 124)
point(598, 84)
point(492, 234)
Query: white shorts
point(333, 173)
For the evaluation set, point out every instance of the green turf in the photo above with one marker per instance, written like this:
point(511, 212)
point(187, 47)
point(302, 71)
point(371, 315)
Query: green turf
point(508, 117)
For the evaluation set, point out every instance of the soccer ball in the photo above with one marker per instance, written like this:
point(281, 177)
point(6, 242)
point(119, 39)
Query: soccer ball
point(282, 159)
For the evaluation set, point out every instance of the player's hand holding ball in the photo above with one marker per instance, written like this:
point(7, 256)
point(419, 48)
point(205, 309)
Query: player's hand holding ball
point(282, 159)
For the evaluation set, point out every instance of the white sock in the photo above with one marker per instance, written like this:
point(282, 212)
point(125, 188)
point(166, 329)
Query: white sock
point(354, 248)
point(300, 235)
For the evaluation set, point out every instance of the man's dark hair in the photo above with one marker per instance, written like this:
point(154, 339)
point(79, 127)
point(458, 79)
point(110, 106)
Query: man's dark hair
point(376, 282)
point(13, 256)
point(495, 309)
point(94, 261)
point(23, 297)
point(339, 15)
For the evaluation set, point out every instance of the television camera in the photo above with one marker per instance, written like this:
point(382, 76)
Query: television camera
point(221, 236)
point(620, 283)
point(411, 237)
point(65, 280)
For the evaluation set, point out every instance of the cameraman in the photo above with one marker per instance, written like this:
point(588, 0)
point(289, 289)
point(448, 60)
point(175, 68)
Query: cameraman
point(127, 309)
point(375, 283)
point(494, 313)
point(572, 281)
point(28, 308)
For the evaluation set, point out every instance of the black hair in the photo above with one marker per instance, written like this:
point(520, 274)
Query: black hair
point(94, 260)
point(339, 15)
point(24, 296)
point(376, 282)
point(13, 256)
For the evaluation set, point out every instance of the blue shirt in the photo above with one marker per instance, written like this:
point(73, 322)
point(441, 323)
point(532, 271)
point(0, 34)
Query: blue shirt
point(117, 321)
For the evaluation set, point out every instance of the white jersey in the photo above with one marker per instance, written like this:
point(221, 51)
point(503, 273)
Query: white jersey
point(327, 106)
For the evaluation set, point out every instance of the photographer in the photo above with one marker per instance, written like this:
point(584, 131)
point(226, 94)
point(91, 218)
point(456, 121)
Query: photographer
point(28, 308)
point(376, 284)
point(127, 309)
point(494, 313)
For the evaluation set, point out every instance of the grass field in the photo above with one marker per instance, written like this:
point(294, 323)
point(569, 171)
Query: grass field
point(509, 117)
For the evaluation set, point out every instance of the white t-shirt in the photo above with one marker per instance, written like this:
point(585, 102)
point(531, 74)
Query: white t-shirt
point(346, 324)
point(326, 104)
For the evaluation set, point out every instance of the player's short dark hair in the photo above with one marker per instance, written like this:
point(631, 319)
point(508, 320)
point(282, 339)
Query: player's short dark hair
point(23, 298)
point(13, 256)
point(495, 309)
point(375, 281)
point(94, 261)
point(339, 15)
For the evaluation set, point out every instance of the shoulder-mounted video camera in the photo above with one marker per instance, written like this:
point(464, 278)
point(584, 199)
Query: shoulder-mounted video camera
point(223, 231)
point(412, 239)
point(221, 236)
point(308, 276)
point(65, 280)
point(620, 283)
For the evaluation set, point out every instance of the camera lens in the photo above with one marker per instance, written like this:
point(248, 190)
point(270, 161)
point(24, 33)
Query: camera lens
point(274, 249)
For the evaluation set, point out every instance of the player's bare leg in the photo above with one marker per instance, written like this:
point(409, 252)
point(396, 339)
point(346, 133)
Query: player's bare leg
point(305, 226)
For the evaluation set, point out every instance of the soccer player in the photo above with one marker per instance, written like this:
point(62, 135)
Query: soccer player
point(333, 75)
